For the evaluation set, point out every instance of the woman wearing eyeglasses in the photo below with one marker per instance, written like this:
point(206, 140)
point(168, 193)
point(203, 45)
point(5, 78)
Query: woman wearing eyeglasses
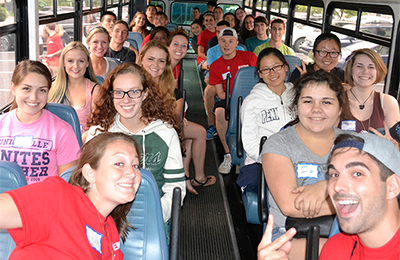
point(327, 52)
point(129, 103)
point(265, 110)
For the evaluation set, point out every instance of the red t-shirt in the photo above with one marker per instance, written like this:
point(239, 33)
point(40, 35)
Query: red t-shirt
point(176, 71)
point(341, 246)
point(54, 43)
point(219, 68)
point(202, 40)
point(145, 40)
point(60, 222)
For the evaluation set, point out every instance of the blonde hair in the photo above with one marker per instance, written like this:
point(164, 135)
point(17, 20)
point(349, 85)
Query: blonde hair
point(95, 30)
point(380, 66)
point(60, 85)
point(167, 83)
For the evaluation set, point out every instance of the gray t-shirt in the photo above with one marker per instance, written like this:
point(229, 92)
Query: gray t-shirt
point(308, 167)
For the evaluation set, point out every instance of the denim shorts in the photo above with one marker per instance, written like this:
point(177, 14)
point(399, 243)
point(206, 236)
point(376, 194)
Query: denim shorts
point(278, 232)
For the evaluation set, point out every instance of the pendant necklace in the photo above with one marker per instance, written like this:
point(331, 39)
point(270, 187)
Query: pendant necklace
point(106, 235)
point(229, 66)
point(361, 106)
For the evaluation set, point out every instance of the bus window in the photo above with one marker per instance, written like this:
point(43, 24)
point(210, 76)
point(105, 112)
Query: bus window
point(228, 8)
point(89, 21)
point(97, 3)
point(7, 14)
point(7, 65)
point(157, 2)
point(125, 13)
point(181, 13)
point(376, 24)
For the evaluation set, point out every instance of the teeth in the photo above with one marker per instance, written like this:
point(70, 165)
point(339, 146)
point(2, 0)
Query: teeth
point(127, 107)
point(126, 185)
point(32, 104)
point(347, 202)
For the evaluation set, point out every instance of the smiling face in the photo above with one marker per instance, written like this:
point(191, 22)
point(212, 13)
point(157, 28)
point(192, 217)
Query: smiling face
point(260, 28)
point(154, 62)
point(161, 36)
point(209, 22)
point(31, 96)
point(326, 63)
point(140, 20)
point(99, 44)
point(178, 47)
point(128, 108)
point(231, 20)
point(75, 63)
point(249, 23)
point(275, 79)
point(151, 11)
point(318, 108)
point(117, 178)
point(120, 33)
point(277, 31)
point(108, 23)
point(160, 20)
point(240, 14)
point(364, 71)
point(356, 190)
point(196, 29)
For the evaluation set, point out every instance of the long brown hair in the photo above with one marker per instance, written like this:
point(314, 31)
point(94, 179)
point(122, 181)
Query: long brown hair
point(153, 107)
point(92, 152)
point(142, 30)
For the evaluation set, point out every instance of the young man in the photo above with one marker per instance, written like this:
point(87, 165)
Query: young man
point(55, 47)
point(160, 19)
point(230, 62)
point(277, 33)
point(151, 11)
point(210, 8)
point(196, 13)
point(117, 49)
point(107, 20)
point(261, 29)
point(364, 185)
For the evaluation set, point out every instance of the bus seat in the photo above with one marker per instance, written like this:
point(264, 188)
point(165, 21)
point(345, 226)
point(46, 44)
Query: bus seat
point(67, 174)
point(11, 177)
point(171, 26)
point(147, 240)
point(244, 82)
point(335, 229)
point(68, 114)
point(243, 46)
point(137, 37)
point(292, 60)
point(133, 43)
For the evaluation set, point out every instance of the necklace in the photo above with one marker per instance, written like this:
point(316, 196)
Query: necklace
point(106, 235)
point(361, 107)
point(229, 66)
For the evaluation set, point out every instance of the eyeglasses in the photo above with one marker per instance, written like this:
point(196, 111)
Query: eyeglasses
point(333, 54)
point(274, 68)
point(119, 94)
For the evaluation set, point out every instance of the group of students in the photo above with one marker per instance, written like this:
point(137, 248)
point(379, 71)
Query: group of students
point(324, 102)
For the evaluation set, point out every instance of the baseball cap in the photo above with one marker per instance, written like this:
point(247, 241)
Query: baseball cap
point(382, 149)
point(228, 32)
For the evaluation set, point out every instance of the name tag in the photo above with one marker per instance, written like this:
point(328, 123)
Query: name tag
point(242, 66)
point(349, 125)
point(94, 238)
point(307, 170)
point(23, 141)
point(226, 74)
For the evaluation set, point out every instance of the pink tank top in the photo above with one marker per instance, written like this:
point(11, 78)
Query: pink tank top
point(84, 113)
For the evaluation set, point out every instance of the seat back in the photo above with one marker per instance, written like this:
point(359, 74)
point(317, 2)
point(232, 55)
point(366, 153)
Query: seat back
point(171, 26)
point(244, 82)
point(68, 114)
point(137, 37)
point(292, 60)
point(147, 240)
point(11, 177)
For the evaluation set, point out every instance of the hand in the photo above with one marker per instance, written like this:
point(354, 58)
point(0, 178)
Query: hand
point(302, 69)
point(310, 198)
point(387, 134)
point(279, 249)
point(184, 122)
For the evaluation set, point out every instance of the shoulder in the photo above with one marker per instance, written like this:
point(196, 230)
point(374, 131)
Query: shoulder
point(51, 118)
point(343, 241)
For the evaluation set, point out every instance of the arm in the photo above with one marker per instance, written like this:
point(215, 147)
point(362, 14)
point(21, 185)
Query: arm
point(390, 110)
point(62, 168)
point(179, 107)
point(9, 214)
point(281, 180)
point(250, 130)
point(219, 89)
point(201, 52)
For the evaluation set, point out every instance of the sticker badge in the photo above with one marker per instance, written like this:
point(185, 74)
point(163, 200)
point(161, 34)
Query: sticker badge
point(307, 170)
point(226, 74)
point(349, 125)
point(23, 141)
point(94, 238)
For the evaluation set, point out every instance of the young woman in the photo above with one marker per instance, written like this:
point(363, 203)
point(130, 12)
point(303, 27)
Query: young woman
point(196, 28)
point(40, 142)
point(208, 33)
point(232, 20)
point(159, 33)
point(240, 14)
point(327, 52)
point(194, 134)
point(368, 108)
point(138, 24)
point(247, 29)
point(265, 110)
point(129, 103)
point(98, 41)
point(76, 82)
point(94, 207)
point(294, 159)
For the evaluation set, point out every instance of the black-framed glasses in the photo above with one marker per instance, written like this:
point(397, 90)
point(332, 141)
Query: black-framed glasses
point(274, 68)
point(323, 53)
point(119, 94)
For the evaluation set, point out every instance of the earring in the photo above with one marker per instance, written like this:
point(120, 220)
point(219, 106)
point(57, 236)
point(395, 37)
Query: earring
point(90, 185)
